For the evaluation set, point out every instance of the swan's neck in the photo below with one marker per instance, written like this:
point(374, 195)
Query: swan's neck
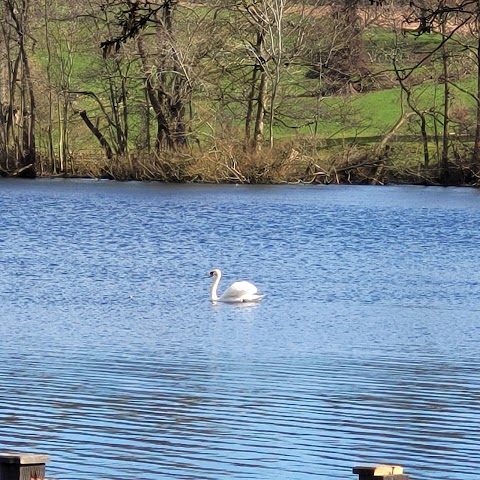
point(213, 289)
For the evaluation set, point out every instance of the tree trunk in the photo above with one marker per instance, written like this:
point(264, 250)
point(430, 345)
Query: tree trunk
point(444, 167)
point(276, 35)
point(163, 130)
point(253, 88)
point(259, 121)
point(50, 148)
point(476, 148)
point(98, 134)
point(250, 106)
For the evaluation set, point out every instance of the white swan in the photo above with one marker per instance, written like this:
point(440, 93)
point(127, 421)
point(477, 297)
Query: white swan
point(236, 293)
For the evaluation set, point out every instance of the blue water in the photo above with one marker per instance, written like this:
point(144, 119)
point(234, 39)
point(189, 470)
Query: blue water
point(365, 349)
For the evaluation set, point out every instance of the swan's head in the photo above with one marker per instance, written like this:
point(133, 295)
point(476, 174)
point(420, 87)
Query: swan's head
point(215, 273)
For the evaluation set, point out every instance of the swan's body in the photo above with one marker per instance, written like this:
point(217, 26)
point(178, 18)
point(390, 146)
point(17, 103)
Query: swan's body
point(236, 293)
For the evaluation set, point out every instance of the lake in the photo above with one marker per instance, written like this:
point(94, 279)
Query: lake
point(365, 350)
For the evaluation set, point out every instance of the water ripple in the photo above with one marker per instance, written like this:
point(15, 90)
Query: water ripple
point(364, 351)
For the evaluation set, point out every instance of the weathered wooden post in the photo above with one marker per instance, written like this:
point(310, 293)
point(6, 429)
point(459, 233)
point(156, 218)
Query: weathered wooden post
point(22, 466)
point(380, 472)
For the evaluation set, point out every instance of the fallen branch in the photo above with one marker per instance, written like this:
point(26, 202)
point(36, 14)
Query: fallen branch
point(17, 171)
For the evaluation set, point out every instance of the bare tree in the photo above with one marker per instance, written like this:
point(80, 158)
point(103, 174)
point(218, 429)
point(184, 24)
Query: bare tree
point(59, 35)
point(266, 43)
point(166, 72)
point(430, 14)
point(19, 109)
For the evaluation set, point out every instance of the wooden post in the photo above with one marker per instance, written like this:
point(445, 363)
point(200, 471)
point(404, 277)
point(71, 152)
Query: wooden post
point(380, 472)
point(22, 466)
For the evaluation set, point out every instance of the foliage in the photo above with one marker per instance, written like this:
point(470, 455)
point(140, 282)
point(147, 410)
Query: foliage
point(198, 91)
